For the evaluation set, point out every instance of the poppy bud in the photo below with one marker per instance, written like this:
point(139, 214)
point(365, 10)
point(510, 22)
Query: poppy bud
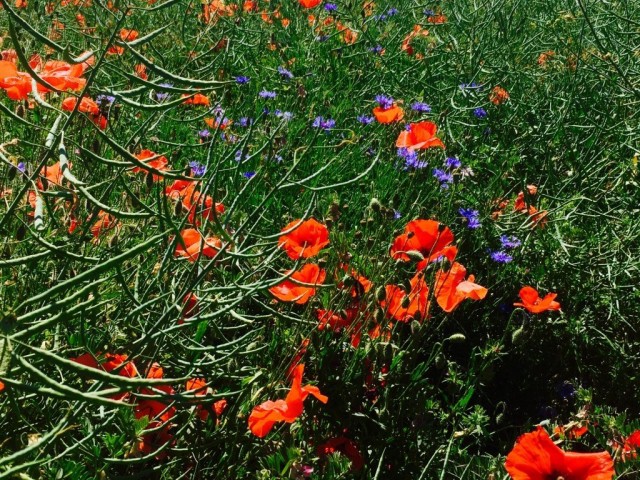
point(381, 294)
point(410, 234)
point(415, 255)
point(12, 172)
point(95, 146)
point(45, 184)
point(457, 338)
point(149, 180)
point(518, 336)
point(406, 301)
point(374, 205)
point(441, 227)
point(378, 315)
point(406, 285)
point(415, 327)
point(440, 362)
point(358, 235)
point(20, 111)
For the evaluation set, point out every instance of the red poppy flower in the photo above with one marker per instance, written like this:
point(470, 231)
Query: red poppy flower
point(536, 457)
point(520, 205)
point(190, 306)
point(16, 84)
point(197, 99)
point(195, 244)
point(403, 306)
point(159, 162)
point(105, 222)
point(533, 303)
point(451, 288)
point(62, 75)
point(289, 291)
point(498, 95)
point(630, 446)
point(428, 237)
point(420, 135)
point(198, 386)
point(266, 415)
point(304, 238)
point(52, 173)
point(310, 3)
point(109, 362)
point(193, 201)
point(345, 446)
point(389, 115)
point(86, 105)
point(217, 124)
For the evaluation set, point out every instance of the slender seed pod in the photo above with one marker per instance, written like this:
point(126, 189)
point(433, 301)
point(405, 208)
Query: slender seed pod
point(38, 217)
point(52, 133)
point(64, 164)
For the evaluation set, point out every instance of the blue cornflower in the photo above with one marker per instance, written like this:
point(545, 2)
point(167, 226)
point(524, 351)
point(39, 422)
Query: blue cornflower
point(322, 38)
point(480, 113)
point(105, 100)
point(470, 86)
point(238, 156)
point(392, 11)
point(285, 73)
point(421, 107)
point(245, 121)
point(249, 174)
point(410, 158)
point(21, 167)
point(510, 242)
point(197, 169)
point(284, 115)
point(471, 216)
point(445, 178)
point(453, 162)
point(330, 7)
point(203, 134)
point(267, 94)
point(365, 119)
point(242, 80)
point(162, 96)
point(429, 13)
point(384, 101)
point(397, 214)
point(380, 18)
point(325, 124)
point(501, 257)
point(378, 49)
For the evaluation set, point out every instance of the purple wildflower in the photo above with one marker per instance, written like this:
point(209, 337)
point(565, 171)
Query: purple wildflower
point(105, 100)
point(509, 243)
point(286, 74)
point(21, 167)
point(397, 214)
point(325, 124)
point(384, 101)
point(428, 12)
point(267, 94)
point(471, 216)
point(452, 162)
point(411, 159)
point(480, 113)
point(242, 80)
point(245, 122)
point(365, 119)
point(421, 107)
point(249, 174)
point(204, 134)
point(378, 49)
point(501, 257)
point(392, 11)
point(445, 178)
point(197, 169)
point(330, 7)
point(162, 96)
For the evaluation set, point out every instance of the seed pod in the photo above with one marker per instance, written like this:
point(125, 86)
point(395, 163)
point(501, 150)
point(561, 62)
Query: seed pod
point(518, 336)
point(415, 255)
point(378, 315)
point(95, 146)
point(415, 327)
point(457, 338)
point(178, 208)
point(374, 205)
point(52, 133)
point(64, 164)
point(406, 301)
point(381, 293)
point(12, 173)
point(20, 111)
point(21, 232)
point(440, 362)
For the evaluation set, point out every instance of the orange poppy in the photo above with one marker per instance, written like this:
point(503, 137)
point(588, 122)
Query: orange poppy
point(86, 105)
point(141, 71)
point(62, 75)
point(428, 237)
point(109, 362)
point(536, 457)
point(159, 162)
point(304, 238)
point(451, 288)
point(389, 115)
point(290, 291)
point(310, 3)
point(532, 302)
point(249, 6)
point(267, 414)
point(419, 135)
point(198, 386)
point(346, 447)
point(128, 35)
point(217, 124)
point(498, 95)
point(417, 31)
point(105, 222)
point(195, 244)
point(15, 83)
point(437, 19)
point(197, 99)
point(193, 200)
point(404, 306)
point(629, 446)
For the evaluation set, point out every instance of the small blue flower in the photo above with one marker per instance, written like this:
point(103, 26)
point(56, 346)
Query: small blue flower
point(392, 11)
point(452, 162)
point(445, 178)
point(470, 86)
point(421, 107)
point(249, 174)
point(245, 122)
point(480, 113)
point(324, 124)
point(285, 73)
point(365, 119)
point(501, 257)
point(397, 214)
point(242, 80)
point(162, 96)
point(197, 169)
point(378, 49)
point(330, 7)
point(384, 101)
point(286, 116)
point(239, 157)
point(509, 243)
point(267, 94)
point(21, 167)
point(204, 134)
point(105, 100)
point(429, 13)
point(411, 159)
point(471, 216)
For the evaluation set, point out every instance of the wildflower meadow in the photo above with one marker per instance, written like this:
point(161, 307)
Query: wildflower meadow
point(349, 239)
